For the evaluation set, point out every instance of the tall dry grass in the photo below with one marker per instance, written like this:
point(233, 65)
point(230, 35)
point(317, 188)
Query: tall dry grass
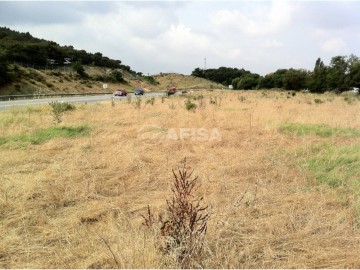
point(77, 203)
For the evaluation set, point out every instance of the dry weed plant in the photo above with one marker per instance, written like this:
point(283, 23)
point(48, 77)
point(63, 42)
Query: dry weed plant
point(183, 227)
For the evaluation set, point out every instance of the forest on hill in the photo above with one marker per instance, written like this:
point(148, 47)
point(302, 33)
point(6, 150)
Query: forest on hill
point(23, 47)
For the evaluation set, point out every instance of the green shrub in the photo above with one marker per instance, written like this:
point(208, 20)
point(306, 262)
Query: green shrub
point(190, 106)
point(116, 76)
point(151, 80)
point(318, 101)
point(79, 69)
point(58, 109)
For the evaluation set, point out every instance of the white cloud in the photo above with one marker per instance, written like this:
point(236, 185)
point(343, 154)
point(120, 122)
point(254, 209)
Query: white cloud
point(334, 45)
point(268, 21)
point(271, 43)
point(181, 39)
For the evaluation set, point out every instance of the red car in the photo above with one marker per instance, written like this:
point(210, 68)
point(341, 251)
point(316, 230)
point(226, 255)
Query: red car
point(120, 93)
point(171, 91)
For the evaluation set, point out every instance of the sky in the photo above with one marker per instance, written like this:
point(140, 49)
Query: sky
point(179, 36)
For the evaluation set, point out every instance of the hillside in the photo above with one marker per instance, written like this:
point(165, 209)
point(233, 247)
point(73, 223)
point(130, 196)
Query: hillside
point(31, 65)
point(30, 81)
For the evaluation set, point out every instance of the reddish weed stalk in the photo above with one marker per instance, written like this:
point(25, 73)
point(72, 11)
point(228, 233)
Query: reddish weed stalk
point(185, 223)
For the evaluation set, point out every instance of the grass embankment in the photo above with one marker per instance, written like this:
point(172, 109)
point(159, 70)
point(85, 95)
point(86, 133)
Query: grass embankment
point(77, 202)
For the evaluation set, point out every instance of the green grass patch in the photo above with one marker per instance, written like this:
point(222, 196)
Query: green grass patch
point(43, 135)
point(318, 130)
point(337, 167)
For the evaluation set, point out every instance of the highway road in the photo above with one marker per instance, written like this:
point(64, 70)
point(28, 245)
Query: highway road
point(83, 99)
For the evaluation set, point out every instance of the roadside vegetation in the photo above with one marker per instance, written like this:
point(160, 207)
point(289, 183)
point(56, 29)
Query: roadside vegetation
point(277, 188)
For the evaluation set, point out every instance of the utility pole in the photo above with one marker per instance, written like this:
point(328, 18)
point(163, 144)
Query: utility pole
point(205, 63)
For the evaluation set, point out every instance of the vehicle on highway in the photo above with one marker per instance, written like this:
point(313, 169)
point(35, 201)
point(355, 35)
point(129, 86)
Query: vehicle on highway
point(171, 91)
point(139, 91)
point(120, 93)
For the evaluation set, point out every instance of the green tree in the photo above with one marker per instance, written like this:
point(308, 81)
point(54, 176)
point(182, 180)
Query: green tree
point(223, 75)
point(278, 78)
point(318, 81)
point(336, 76)
point(197, 72)
point(353, 77)
point(295, 79)
point(246, 82)
point(79, 69)
point(266, 82)
point(273, 80)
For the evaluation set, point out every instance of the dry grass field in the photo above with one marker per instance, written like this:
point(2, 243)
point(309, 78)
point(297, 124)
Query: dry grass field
point(280, 174)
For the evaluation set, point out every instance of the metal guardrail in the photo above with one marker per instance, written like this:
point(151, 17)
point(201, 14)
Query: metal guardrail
point(34, 96)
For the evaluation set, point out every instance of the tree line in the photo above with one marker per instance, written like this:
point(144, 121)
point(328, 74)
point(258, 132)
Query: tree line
point(340, 75)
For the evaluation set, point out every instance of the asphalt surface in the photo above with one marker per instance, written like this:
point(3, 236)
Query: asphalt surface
point(83, 99)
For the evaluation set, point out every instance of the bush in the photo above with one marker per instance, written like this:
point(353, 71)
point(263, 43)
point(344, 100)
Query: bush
point(151, 80)
point(79, 69)
point(292, 93)
point(116, 76)
point(318, 101)
point(190, 106)
point(58, 109)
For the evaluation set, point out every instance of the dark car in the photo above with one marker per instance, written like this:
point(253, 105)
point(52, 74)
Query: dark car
point(120, 93)
point(139, 91)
